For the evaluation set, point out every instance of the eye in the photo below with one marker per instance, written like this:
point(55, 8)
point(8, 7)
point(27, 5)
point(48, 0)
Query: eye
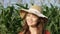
point(27, 15)
point(34, 16)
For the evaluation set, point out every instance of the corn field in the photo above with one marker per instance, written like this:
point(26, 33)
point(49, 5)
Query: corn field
point(10, 21)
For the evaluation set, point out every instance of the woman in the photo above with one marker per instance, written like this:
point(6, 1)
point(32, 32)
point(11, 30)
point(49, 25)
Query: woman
point(34, 21)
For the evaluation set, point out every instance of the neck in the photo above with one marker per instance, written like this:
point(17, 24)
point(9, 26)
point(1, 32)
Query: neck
point(33, 30)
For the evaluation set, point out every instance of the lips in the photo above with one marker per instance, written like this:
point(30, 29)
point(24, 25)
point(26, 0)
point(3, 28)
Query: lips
point(29, 21)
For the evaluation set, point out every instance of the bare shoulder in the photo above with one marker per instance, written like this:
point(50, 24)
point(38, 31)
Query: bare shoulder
point(20, 33)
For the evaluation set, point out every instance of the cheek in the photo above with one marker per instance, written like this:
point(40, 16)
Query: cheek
point(35, 20)
point(27, 18)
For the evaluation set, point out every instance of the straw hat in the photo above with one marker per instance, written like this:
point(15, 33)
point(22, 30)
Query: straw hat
point(37, 10)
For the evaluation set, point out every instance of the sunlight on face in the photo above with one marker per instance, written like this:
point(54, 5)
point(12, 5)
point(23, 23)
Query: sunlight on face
point(31, 19)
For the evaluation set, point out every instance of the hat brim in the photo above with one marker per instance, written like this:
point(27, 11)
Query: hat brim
point(38, 14)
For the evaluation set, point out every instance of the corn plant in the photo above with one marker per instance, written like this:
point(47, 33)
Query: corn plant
point(53, 15)
point(10, 21)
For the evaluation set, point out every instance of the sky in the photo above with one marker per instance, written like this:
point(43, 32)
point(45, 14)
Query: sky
point(28, 1)
point(7, 1)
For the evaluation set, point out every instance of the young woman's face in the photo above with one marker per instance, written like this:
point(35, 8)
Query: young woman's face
point(31, 19)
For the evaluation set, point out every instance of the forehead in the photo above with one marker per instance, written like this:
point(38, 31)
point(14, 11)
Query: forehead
point(32, 14)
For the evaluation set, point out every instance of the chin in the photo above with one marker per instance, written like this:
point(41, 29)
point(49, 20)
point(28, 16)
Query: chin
point(32, 25)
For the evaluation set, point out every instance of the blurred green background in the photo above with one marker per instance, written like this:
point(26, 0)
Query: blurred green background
point(11, 23)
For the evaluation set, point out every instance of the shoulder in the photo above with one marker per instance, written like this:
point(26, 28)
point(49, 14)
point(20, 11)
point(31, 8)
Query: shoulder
point(20, 33)
point(47, 32)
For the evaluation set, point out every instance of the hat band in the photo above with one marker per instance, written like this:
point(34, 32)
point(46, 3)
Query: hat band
point(34, 11)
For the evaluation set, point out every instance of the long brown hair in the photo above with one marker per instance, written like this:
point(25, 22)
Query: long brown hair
point(40, 25)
